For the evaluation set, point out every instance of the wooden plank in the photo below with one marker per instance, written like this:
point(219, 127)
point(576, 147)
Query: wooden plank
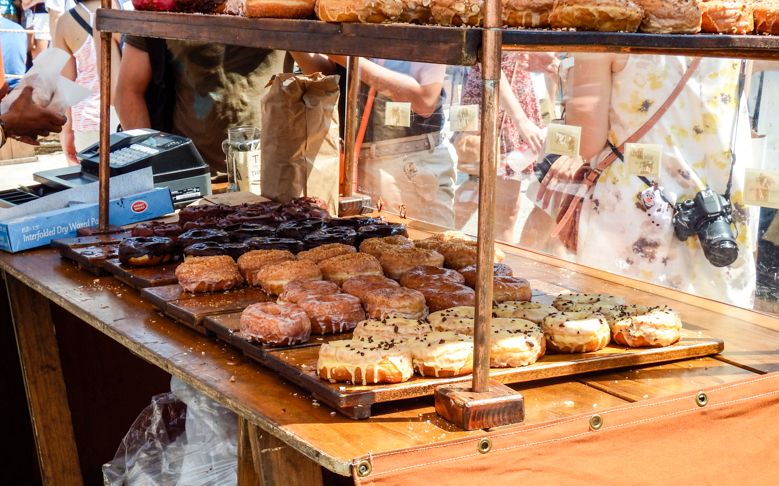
point(669, 379)
point(92, 240)
point(299, 366)
point(46, 394)
point(91, 258)
point(162, 294)
point(142, 277)
point(709, 45)
point(388, 41)
point(496, 406)
point(279, 463)
point(191, 309)
point(248, 475)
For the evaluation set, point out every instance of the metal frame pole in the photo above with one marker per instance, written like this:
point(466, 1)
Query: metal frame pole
point(350, 136)
point(105, 123)
point(490, 67)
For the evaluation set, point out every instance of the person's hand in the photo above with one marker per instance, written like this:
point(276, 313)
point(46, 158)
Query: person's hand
point(67, 139)
point(26, 121)
point(532, 135)
point(543, 62)
point(562, 181)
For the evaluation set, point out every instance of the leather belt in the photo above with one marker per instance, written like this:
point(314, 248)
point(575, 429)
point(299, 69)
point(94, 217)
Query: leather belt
point(399, 146)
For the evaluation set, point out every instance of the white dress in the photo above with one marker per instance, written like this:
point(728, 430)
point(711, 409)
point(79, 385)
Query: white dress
point(617, 234)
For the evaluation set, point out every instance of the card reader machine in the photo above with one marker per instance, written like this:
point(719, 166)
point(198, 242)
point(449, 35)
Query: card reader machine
point(175, 162)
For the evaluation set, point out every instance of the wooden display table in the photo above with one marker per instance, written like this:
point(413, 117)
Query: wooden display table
point(285, 434)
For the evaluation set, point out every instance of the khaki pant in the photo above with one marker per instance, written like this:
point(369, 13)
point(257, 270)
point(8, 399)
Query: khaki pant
point(423, 182)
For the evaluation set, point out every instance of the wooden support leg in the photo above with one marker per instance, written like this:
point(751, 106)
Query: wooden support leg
point(45, 385)
point(275, 463)
point(248, 471)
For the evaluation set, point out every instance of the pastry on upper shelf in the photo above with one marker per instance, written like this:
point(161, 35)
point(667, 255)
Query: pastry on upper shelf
point(458, 12)
point(274, 9)
point(727, 17)
point(366, 11)
point(600, 15)
point(671, 16)
point(416, 12)
point(766, 13)
point(527, 13)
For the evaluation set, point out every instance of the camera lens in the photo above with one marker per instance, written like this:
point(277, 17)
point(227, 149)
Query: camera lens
point(718, 243)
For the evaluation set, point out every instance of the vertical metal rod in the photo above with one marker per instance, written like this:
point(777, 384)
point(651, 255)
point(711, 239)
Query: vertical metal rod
point(105, 124)
point(350, 155)
point(490, 68)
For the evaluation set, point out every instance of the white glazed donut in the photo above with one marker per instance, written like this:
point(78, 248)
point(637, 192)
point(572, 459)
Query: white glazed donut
point(442, 354)
point(641, 326)
point(515, 342)
point(532, 311)
point(576, 332)
point(564, 302)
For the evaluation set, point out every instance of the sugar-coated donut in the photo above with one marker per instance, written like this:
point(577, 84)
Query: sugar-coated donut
point(275, 324)
point(362, 363)
point(671, 16)
point(362, 284)
point(395, 302)
point(532, 311)
point(511, 289)
point(297, 290)
point(396, 262)
point(727, 17)
point(457, 319)
point(333, 313)
point(498, 270)
point(459, 253)
point(564, 302)
point(437, 240)
point(442, 354)
point(424, 275)
point(324, 252)
point(576, 332)
point(209, 274)
point(599, 15)
point(766, 18)
point(274, 277)
point(644, 326)
point(251, 262)
point(343, 267)
point(377, 246)
point(444, 294)
point(515, 342)
point(394, 329)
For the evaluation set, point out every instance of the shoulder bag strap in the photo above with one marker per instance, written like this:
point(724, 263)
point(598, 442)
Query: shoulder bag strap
point(594, 173)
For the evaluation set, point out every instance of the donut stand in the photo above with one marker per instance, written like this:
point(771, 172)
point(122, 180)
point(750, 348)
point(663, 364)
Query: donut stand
point(714, 394)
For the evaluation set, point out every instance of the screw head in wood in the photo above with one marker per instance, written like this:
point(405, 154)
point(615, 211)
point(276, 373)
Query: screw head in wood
point(596, 422)
point(701, 399)
point(484, 445)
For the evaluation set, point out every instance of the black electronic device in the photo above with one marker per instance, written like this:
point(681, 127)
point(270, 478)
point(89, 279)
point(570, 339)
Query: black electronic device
point(175, 162)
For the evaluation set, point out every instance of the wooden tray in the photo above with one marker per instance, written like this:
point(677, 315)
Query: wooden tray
point(90, 253)
point(142, 277)
point(191, 309)
point(93, 240)
point(299, 366)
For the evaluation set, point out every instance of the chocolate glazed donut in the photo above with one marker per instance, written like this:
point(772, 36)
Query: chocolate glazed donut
point(299, 229)
point(146, 251)
point(338, 234)
point(201, 236)
point(270, 243)
point(205, 211)
point(206, 248)
point(380, 230)
point(355, 222)
point(245, 231)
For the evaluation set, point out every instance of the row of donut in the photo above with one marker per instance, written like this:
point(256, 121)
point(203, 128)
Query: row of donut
point(392, 350)
point(653, 16)
point(155, 244)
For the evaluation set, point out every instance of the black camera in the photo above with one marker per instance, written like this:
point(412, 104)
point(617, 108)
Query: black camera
point(710, 216)
point(541, 168)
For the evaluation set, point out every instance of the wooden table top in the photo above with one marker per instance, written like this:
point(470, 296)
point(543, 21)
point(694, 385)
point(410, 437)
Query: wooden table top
point(287, 412)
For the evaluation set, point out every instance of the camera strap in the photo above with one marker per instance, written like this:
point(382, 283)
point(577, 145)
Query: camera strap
point(734, 135)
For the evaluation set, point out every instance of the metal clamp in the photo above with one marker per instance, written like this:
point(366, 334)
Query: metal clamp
point(702, 399)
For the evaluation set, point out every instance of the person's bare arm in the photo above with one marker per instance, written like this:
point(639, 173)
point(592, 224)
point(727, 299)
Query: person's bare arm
point(590, 99)
point(527, 129)
point(311, 63)
point(134, 78)
point(67, 137)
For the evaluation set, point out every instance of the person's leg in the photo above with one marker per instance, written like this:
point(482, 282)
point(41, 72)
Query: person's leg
point(507, 196)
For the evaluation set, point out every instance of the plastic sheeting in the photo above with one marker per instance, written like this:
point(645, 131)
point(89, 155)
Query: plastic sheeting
point(181, 438)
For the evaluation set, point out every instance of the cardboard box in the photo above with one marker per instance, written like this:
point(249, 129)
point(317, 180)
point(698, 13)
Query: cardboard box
point(34, 230)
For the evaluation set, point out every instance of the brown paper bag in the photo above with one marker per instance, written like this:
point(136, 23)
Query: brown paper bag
point(300, 138)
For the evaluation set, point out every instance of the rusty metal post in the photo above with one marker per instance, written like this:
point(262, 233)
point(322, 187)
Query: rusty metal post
point(490, 68)
point(350, 131)
point(105, 123)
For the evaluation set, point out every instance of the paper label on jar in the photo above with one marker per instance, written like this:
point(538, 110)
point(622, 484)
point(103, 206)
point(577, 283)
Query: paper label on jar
point(643, 159)
point(248, 173)
point(563, 140)
point(464, 118)
point(397, 114)
point(761, 188)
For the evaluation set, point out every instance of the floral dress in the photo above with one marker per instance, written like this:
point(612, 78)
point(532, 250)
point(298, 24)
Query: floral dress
point(618, 233)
